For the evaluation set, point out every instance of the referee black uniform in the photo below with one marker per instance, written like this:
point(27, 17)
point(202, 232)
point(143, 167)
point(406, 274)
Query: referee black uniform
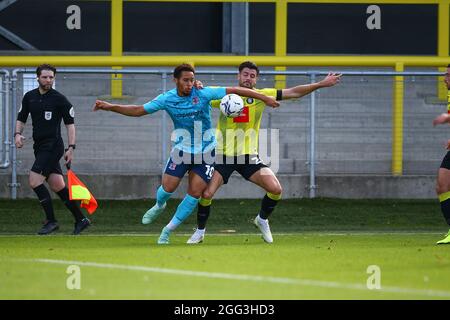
point(47, 111)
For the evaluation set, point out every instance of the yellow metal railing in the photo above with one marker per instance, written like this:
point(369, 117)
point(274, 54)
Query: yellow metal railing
point(280, 40)
point(116, 44)
point(146, 61)
point(397, 123)
point(443, 41)
point(280, 60)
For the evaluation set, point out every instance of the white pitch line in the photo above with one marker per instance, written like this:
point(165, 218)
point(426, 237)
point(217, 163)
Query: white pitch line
point(243, 277)
point(306, 233)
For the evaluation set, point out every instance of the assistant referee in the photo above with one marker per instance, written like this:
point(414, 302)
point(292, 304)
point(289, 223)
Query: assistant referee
point(47, 108)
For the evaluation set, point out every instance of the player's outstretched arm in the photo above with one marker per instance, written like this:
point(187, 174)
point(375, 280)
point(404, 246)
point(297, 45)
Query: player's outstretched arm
point(441, 119)
point(126, 110)
point(299, 91)
point(270, 101)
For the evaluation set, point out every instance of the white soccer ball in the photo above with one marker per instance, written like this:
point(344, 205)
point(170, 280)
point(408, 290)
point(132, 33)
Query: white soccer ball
point(232, 105)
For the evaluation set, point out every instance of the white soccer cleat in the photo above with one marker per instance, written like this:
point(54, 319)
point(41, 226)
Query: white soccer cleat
point(197, 237)
point(263, 225)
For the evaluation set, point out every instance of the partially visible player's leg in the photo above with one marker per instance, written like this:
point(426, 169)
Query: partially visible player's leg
point(267, 180)
point(168, 186)
point(56, 182)
point(36, 182)
point(443, 192)
point(206, 199)
point(170, 181)
point(204, 207)
point(197, 184)
point(38, 174)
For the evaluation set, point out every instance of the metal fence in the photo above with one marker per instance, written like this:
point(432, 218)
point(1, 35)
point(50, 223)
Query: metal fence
point(5, 119)
point(346, 129)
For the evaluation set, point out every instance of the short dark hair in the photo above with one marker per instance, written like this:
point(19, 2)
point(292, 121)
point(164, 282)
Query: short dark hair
point(45, 66)
point(182, 67)
point(250, 65)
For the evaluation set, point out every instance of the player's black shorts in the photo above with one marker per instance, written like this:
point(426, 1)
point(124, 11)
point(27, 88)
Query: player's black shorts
point(47, 154)
point(446, 162)
point(245, 165)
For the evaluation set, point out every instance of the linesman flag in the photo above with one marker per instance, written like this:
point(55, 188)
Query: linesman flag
point(78, 191)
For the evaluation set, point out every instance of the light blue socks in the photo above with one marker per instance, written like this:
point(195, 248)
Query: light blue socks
point(162, 196)
point(184, 210)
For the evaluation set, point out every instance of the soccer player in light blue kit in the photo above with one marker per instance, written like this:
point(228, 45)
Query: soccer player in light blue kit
point(194, 143)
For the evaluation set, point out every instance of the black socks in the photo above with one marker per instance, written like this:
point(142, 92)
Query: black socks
point(267, 207)
point(445, 208)
point(46, 202)
point(70, 204)
point(202, 216)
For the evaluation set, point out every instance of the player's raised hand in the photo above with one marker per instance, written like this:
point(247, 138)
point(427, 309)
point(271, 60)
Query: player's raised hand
point(102, 105)
point(331, 79)
point(440, 119)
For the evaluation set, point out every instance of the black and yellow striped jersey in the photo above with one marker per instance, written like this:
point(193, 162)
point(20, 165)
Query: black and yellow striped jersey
point(239, 136)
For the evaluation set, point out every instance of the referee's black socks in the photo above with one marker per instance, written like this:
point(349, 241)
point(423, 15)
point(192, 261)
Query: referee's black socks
point(46, 202)
point(70, 204)
point(268, 204)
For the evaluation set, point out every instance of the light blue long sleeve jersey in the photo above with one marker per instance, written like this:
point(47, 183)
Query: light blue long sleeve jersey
point(191, 117)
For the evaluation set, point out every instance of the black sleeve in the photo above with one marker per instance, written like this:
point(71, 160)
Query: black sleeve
point(24, 110)
point(68, 113)
point(279, 95)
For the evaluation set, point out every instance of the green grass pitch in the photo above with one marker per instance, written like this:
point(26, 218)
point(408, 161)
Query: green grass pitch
point(323, 249)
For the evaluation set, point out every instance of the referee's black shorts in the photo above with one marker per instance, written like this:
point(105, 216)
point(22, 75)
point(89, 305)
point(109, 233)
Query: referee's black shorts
point(47, 154)
point(245, 165)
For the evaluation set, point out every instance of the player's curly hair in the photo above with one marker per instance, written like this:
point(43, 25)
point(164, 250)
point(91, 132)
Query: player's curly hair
point(182, 67)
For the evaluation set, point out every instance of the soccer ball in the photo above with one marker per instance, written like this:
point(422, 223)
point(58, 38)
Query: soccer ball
point(232, 105)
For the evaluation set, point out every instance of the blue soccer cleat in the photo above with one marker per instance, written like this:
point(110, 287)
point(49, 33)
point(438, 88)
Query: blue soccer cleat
point(164, 237)
point(153, 213)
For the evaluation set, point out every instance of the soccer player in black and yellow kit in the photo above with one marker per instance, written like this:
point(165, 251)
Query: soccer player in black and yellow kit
point(443, 178)
point(241, 155)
